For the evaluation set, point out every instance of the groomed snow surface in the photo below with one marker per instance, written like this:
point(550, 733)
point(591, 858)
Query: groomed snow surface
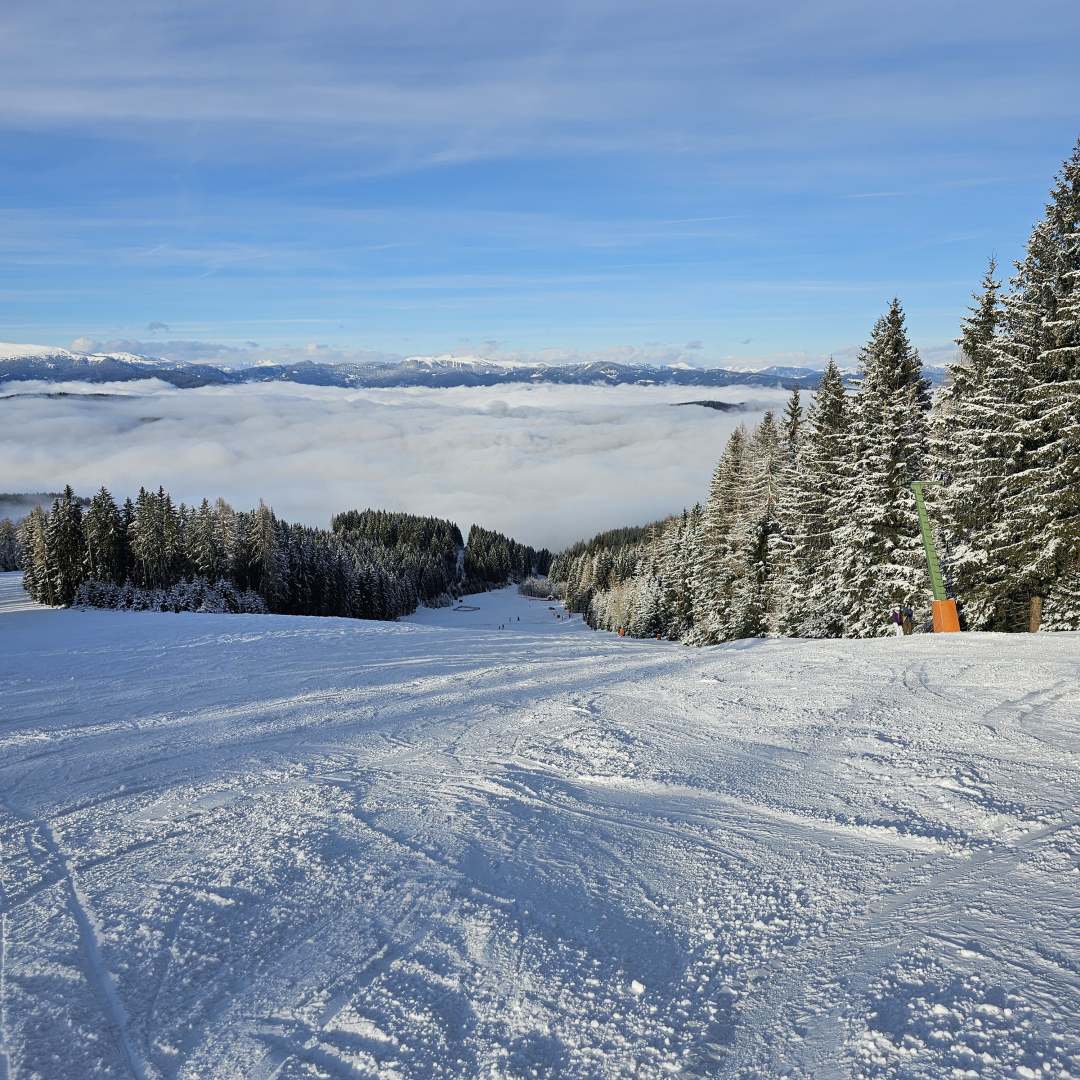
point(261, 846)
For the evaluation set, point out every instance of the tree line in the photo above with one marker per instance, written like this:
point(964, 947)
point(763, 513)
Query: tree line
point(9, 546)
point(491, 559)
point(810, 526)
point(150, 553)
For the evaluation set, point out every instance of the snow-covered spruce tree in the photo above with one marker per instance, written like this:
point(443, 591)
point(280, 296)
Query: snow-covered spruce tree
point(266, 574)
point(810, 601)
point(37, 572)
point(754, 542)
point(880, 563)
point(9, 546)
point(183, 568)
point(712, 562)
point(66, 547)
point(127, 520)
point(1038, 539)
point(172, 539)
point(228, 539)
point(609, 559)
point(1060, 612)
point(676, 546)
point(103, 530)
point(203, 549)
point(646, 617)
point(1063, 338)
point(792, 438)
point(709, 574)
point(689, 546)
point(145, 542)
point(792, 421)
point(968, 437)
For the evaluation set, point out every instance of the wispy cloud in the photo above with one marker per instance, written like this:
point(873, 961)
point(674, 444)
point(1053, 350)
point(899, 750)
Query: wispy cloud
point(585, 173)
point(431, 85)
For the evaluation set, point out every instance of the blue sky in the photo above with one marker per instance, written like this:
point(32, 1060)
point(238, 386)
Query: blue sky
point(715, 182)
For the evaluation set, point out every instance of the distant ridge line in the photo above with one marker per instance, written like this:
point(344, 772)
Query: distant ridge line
point(20, 363)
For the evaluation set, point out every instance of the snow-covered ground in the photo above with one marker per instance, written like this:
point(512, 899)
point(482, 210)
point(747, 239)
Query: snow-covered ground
point(257, 846)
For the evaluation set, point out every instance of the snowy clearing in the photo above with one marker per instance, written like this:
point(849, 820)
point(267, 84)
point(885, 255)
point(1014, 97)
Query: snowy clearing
point(270, 846)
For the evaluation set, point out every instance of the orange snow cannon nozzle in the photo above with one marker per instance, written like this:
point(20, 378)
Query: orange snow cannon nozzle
point(946, 620)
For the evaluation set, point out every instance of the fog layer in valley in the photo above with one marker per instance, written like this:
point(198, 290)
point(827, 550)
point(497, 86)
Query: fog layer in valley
point(547, 464)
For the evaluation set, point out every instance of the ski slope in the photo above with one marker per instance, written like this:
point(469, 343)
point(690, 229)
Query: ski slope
point(261, 846)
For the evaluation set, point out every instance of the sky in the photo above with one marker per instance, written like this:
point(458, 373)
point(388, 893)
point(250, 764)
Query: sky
point(711, 182)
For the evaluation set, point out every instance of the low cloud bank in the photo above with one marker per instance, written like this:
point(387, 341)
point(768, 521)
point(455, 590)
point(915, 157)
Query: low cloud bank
point(547, 464)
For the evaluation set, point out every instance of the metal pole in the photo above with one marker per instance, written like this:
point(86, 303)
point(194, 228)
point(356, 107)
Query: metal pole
point(928, 542)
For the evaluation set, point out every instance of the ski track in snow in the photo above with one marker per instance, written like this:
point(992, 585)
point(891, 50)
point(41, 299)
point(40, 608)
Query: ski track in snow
point(273, 847)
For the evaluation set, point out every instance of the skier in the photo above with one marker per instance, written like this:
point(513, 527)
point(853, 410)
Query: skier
point(907, 624)
point(898, 623)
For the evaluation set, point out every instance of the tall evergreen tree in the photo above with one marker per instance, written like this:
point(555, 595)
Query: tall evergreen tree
point(676, 545)
point(171, 531)
point(793, 436)
point(811, 601)
point(1037, 538)
point(9, 546)
point(204, 553)
point(66, 546)
point(266, 573)
point(753, 547)
point(968, 451)
point(38, 577)
point(792, 422)
point(103, 529)
point(229, 534)
point(145, 541)
point(712, 562)
point(881, 563)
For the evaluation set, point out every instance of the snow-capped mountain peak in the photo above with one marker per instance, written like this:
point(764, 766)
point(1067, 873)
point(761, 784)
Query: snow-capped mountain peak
point(52, 364)
point(9, 350)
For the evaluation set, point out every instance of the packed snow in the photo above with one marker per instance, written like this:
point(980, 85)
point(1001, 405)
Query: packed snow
point(487, 841)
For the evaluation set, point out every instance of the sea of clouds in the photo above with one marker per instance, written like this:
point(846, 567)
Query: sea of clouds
point(546, 464)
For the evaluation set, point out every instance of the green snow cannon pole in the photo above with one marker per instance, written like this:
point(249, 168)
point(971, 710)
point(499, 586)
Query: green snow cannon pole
point(946, 620)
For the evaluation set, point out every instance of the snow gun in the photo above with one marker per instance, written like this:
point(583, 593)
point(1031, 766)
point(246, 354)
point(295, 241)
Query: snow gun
point(946, 620)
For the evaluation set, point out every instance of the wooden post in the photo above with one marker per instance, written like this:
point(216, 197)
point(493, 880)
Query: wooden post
point(1034, 614)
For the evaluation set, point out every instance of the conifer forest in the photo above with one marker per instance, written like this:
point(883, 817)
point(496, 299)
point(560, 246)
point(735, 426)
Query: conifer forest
point(810, 529)
point(150, 554)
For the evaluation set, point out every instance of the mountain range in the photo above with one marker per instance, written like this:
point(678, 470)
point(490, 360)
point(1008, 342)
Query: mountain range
point(48, 364)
